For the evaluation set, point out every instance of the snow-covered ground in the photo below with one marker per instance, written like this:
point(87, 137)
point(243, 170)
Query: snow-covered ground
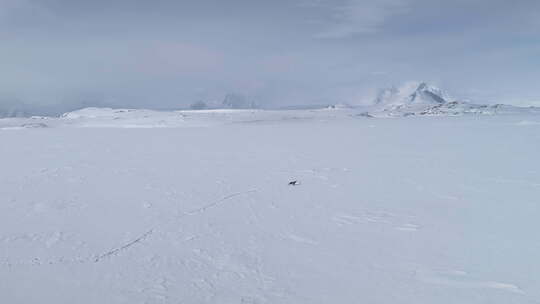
point(109, 206)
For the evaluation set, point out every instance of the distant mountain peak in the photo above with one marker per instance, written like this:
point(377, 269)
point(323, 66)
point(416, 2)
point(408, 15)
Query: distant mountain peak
point(425, 93)
point(411, 93)
point(420, 98)
point(238, 101)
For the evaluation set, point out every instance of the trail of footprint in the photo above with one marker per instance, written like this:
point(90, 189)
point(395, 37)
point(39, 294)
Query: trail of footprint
point(55, 238)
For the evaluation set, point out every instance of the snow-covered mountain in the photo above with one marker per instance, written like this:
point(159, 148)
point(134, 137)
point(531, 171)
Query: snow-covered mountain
point(420, 98)
point(412, 94)
point(410, 99)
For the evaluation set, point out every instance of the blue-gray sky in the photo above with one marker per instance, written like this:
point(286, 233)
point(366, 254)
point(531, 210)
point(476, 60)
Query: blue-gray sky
point(166, 53)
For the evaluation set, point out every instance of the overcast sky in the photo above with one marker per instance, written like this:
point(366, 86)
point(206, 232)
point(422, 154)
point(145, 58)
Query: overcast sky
point(165, 53)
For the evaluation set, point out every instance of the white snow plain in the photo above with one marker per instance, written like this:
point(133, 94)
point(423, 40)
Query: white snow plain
point(109, 206)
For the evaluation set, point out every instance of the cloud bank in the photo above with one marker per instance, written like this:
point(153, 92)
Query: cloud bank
point(167, 54)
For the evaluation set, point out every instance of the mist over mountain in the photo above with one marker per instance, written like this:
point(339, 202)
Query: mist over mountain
point(412, 93)
point(409, 98)
point(231, 101)
point(18, 108)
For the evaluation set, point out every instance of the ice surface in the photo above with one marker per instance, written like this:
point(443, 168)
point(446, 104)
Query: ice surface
point(195, 207)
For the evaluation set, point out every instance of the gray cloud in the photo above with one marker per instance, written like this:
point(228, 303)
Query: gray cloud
point(165, 53)
point(358, 16)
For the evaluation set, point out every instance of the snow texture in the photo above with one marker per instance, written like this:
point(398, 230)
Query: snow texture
point(136, 206)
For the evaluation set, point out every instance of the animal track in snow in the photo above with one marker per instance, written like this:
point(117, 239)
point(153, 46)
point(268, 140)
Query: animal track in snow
point(117, 250)
point(217, 203)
